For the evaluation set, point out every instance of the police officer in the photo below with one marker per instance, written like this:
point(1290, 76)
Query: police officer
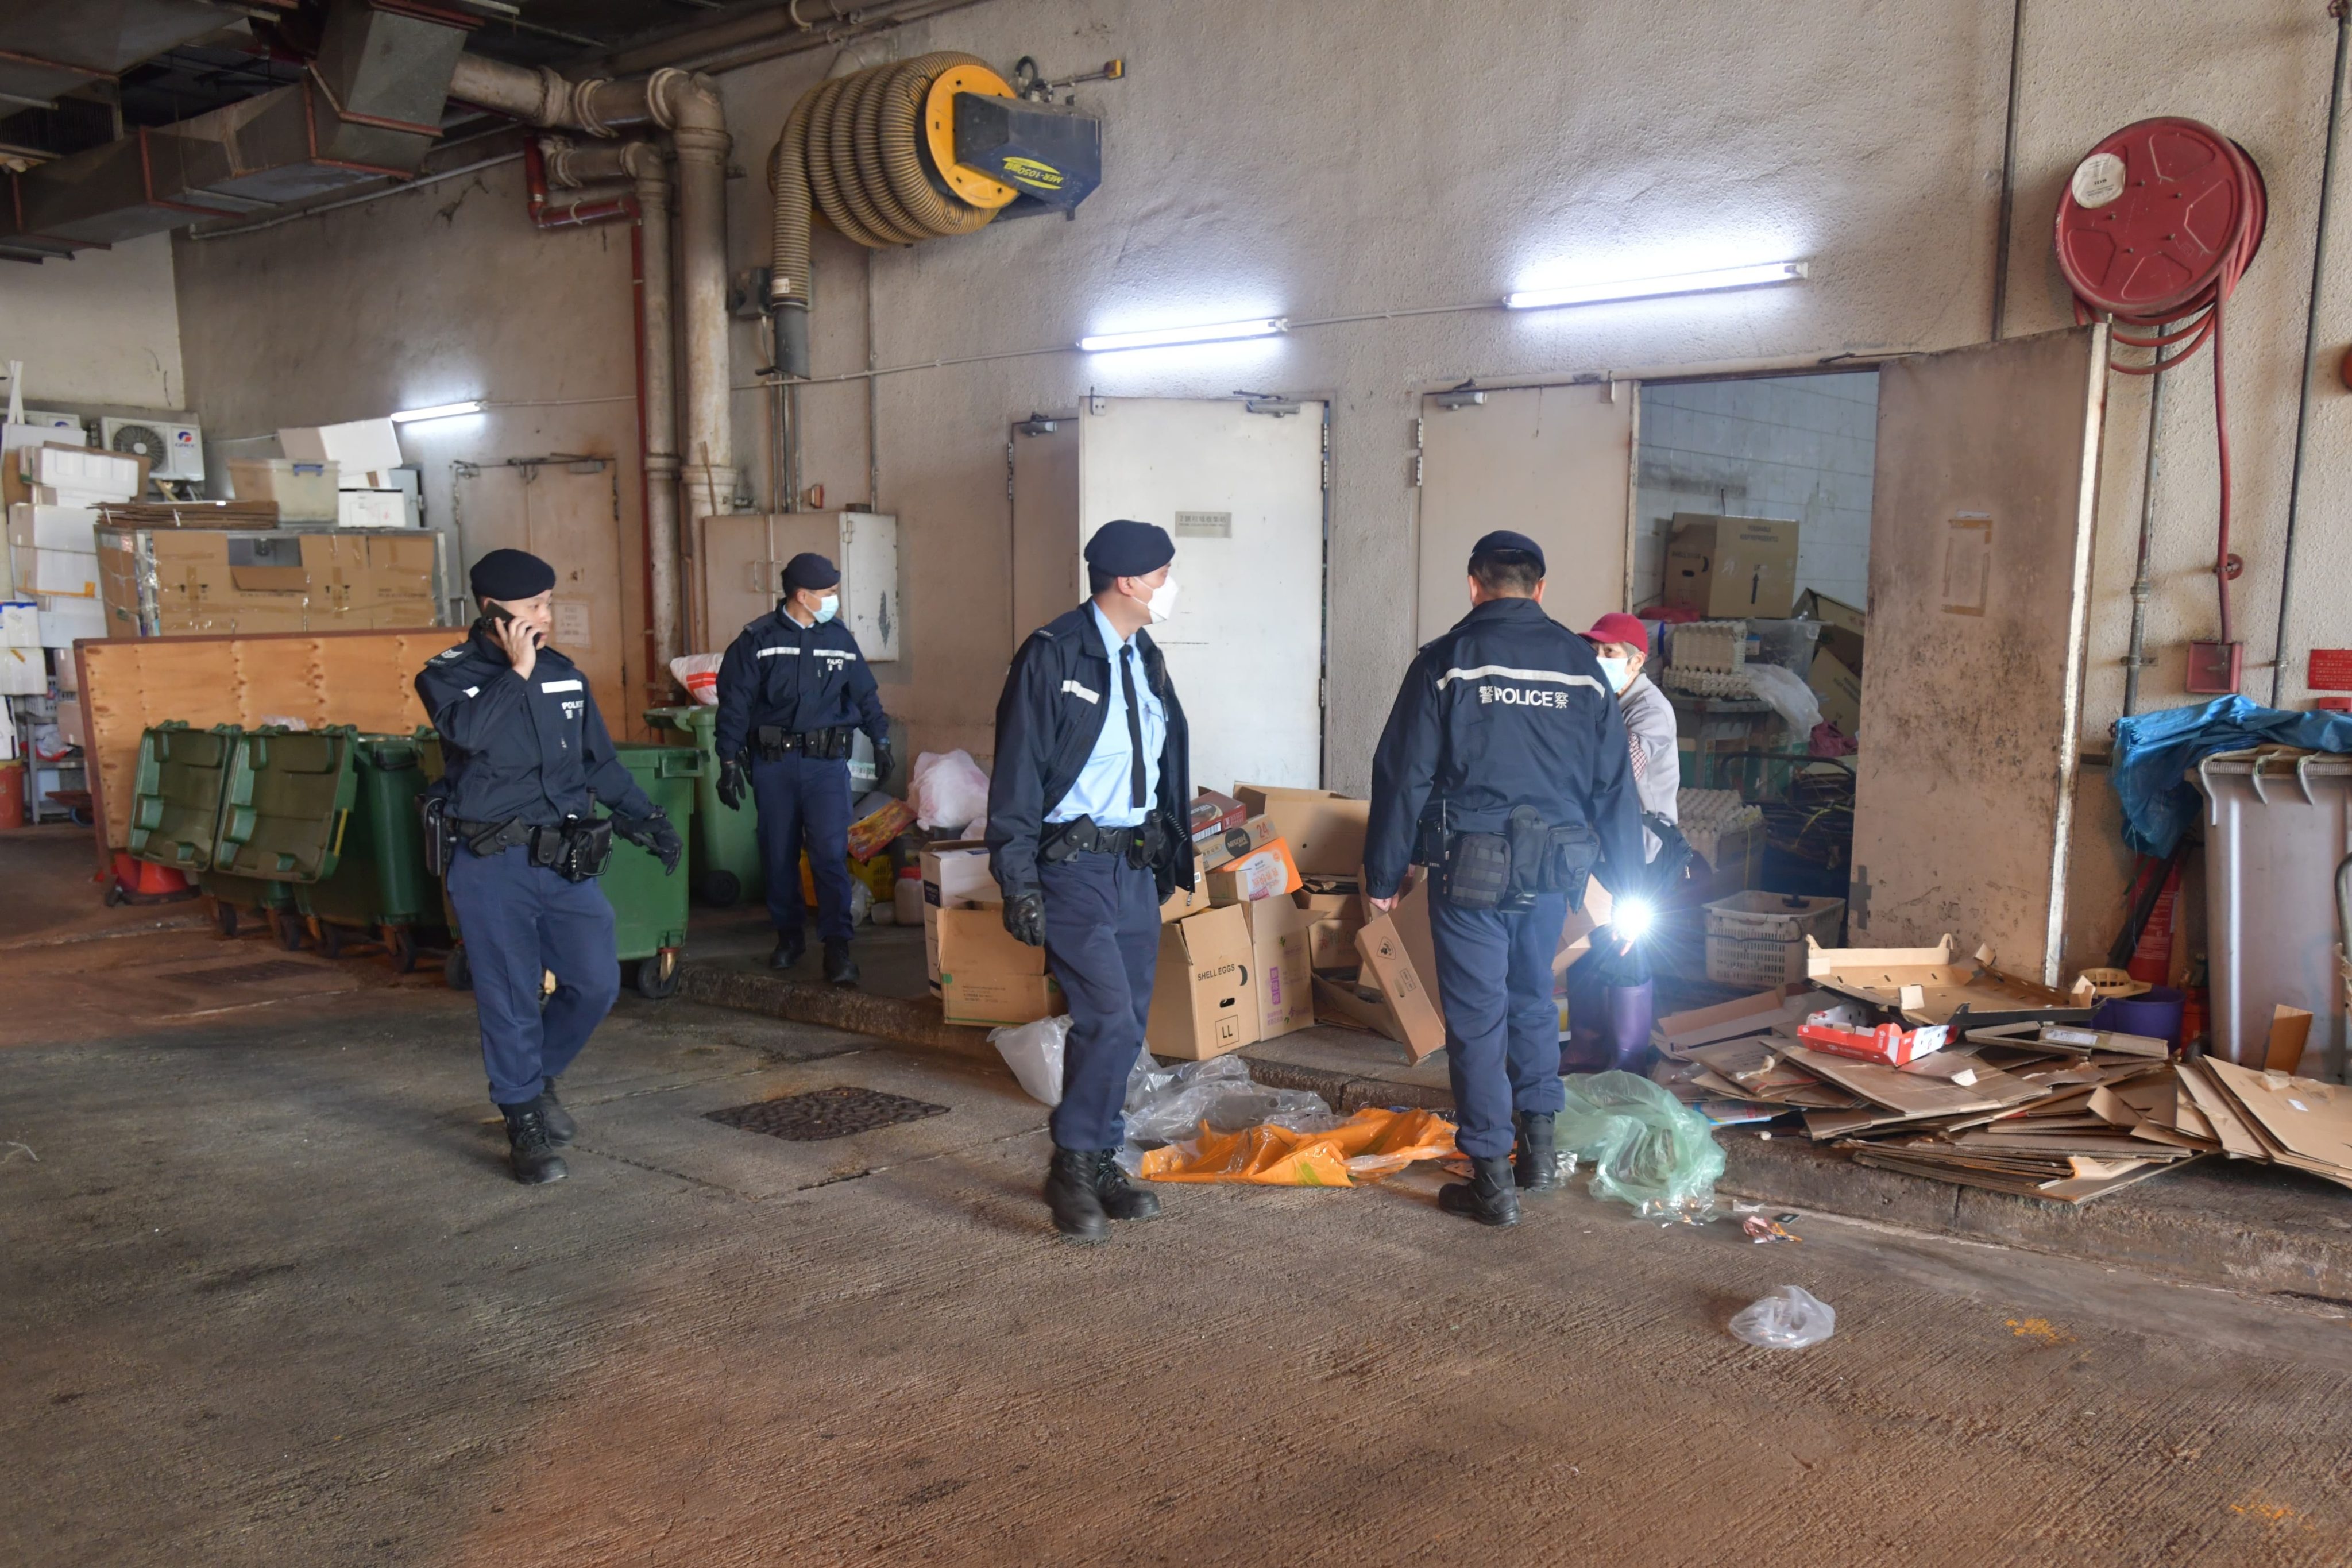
point(1086, 836)
point(792, 691)
point(1505, 768)
point(528, 760)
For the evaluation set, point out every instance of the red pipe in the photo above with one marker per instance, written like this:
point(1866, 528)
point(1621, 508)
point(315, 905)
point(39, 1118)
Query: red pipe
point(579, 214)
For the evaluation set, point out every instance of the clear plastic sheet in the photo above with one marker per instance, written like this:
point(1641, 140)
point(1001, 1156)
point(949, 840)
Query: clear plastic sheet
point(1034, 1052)
point(1791, 1319)
point(1167, 1105)
point(1646, 1148)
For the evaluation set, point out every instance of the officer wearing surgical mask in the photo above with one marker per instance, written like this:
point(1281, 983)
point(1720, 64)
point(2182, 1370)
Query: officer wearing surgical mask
point(1504, 768)
point(1087, 837)
point(793, 689)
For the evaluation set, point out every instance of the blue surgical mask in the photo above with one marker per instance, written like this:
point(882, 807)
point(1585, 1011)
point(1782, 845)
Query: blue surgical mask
point(1615, 672)
point(828, 608)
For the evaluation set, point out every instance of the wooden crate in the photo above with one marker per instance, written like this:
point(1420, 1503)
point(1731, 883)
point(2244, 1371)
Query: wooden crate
point(364, 678)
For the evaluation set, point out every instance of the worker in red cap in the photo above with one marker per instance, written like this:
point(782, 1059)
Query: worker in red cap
point(1610, 990)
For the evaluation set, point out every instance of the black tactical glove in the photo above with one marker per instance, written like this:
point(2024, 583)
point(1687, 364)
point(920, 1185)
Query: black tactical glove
point(734, 782)
point(654, 834)
point(885, 762)
point(1024, 917)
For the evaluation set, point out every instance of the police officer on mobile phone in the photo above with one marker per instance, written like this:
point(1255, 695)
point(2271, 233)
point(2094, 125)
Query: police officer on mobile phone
point(1504, 769)
point(1087, 820)
point(528, 760)
point(794, 690)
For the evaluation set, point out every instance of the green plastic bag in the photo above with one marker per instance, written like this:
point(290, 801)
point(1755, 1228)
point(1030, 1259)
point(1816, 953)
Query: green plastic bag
point(1646, 1148)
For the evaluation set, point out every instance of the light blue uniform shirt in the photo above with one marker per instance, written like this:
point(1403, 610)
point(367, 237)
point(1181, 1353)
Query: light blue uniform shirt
point(1105, 784)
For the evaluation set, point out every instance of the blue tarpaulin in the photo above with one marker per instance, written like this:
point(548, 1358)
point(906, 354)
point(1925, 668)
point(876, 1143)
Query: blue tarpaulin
point(2154, 751)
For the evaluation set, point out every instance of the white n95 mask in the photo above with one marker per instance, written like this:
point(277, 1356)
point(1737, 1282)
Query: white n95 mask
point(1163, 600)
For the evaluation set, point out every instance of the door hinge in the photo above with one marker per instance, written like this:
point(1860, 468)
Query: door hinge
point(1417, 470)
point(1008, 470)
point(1327, 471)
point(1322, 691)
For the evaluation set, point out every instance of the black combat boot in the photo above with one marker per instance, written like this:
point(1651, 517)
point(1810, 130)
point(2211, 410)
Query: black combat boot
point(561, 1129)
point(1121, 1199)
point(840, 969)
point(1534, 1160)
point(528, 1146)
point(790, 945)
point(1487, 1196)
point(1070, 1191)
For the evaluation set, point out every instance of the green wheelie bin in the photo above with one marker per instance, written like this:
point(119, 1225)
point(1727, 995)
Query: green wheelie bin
point(381, 887)
point(648, 903)
point(283, 813)
point(175, 818)
point(723, 849)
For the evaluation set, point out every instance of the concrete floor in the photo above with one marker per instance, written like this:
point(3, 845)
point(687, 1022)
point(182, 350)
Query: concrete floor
point(267, 1297)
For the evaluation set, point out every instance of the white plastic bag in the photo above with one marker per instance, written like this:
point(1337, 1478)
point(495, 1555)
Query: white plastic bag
point(698, 673)
point(1791, 1319)
point(1787, 695)
point(948, 789)
point(1034, 1052)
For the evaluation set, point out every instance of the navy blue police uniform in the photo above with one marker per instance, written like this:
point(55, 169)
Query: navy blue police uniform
point(790, 699)
point(1090, 890)
point(1505, 736)
point(523, 755)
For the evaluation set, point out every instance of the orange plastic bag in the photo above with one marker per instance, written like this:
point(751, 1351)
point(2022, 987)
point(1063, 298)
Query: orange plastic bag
point(1370, 1144)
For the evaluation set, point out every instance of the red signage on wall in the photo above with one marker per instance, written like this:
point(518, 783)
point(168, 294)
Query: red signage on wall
point(2331, 670)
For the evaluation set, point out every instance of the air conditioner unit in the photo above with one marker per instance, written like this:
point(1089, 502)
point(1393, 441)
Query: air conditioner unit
point(172, 451)
point(68, 426)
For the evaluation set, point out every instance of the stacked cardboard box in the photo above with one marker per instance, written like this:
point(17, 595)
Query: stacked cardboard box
point(175, 580)
point(1836, 673)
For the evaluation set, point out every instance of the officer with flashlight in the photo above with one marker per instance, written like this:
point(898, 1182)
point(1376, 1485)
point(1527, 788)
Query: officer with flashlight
point(1505, 770)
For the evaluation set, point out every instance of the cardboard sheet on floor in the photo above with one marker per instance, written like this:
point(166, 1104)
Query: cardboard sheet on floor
point(1370, 1144)
point(2237, 1141)
point(2308, 1122)
point(1909, 1093)
point(1925, 985)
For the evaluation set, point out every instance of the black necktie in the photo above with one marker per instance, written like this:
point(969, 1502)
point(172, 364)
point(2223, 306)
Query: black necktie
point(1134, 728)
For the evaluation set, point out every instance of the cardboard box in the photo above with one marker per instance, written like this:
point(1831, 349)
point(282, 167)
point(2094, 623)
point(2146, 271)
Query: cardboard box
point(361, 449)
point(1185, 901)
point(375, 508)
point(987, 976)
point(1333, 921)
point(1266, 873)
point(1214, 850)
point(1844, 629)
point(1728, 568)
point(1282, 976)
point(955, 877)
point(65, 574)
point(1203, 1002)
point(1840, 690)
point(1324, 831)
point(1382, 947)
point(1212, 814)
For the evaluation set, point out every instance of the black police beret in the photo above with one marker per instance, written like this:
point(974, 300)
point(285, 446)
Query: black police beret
point(508, 575)
point(1504, 539)
point(1126, 548)
point(809, 570)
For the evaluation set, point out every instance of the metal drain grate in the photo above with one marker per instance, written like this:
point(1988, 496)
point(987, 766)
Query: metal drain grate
point(269, 969)
point(826, 1113)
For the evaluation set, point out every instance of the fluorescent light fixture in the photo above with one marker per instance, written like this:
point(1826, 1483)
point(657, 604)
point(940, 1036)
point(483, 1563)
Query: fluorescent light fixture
point(438, 411)
point(1649, 288)
point(1164, 337)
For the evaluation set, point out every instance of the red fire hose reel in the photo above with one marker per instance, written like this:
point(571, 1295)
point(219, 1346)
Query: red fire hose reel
point(2157, 225)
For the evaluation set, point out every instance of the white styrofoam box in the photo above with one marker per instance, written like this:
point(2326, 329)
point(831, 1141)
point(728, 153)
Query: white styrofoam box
point(23, 672)
point(360, 445)
point(375, 508)
point(20, 623)
point(32, 527)
point(37, 433)
point(64, 621)
point(70, 573)
point(114, 475)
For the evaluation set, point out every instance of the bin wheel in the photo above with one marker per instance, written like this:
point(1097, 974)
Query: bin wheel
point(400, 941)
point(115, 897)
point(657, 975)
point(224, 918)
point(456, 971)
point(720, 889)
point(331, 939)
point(290, 930)
point(80, 815)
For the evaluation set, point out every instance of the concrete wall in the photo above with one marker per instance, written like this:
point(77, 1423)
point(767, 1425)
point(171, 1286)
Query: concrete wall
point(100, 329)
point(1796, 447)
point(1350, 159)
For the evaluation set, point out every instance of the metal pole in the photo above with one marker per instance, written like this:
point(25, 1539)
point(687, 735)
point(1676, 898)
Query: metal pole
point(2135, 659)
point(2342, 11)
point(2008, 175)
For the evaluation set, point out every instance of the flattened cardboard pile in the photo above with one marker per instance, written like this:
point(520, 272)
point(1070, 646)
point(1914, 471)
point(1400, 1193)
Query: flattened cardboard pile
point(2027, 1100)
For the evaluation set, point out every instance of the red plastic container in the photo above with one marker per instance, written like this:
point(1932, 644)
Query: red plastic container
point(1889, 1043)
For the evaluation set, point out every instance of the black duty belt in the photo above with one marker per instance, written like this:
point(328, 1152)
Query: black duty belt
point(1142, 845)
point(820, 745)
point(574, 850)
